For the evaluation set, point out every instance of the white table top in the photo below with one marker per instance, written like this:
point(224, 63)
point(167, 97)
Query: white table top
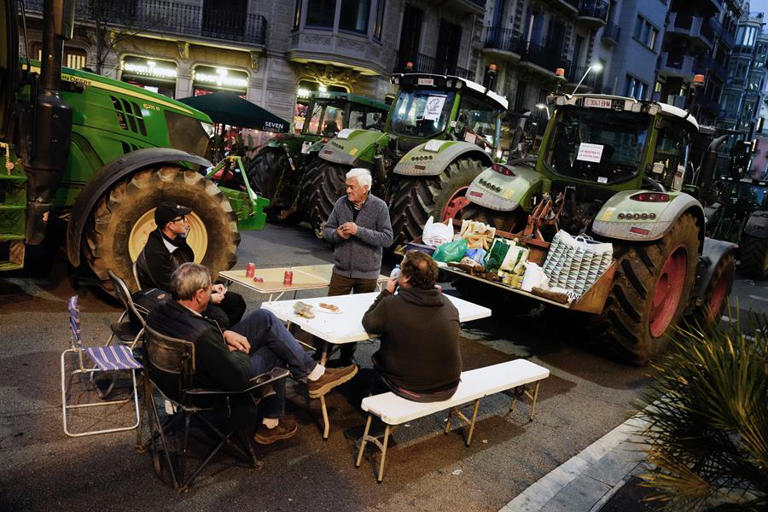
point(346, 326)
point(305, 277)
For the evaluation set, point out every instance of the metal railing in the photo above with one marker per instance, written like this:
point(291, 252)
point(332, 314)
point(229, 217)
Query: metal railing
point(594, 9)
point(548, 57)
point(503, 39)
point(421, 63)
point(593, 81)
point(171, 18)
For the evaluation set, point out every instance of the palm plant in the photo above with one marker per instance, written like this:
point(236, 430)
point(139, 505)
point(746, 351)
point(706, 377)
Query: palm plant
point(708, 420)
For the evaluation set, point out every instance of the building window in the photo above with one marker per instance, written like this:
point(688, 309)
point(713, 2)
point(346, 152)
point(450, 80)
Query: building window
point(74, 58)
point(354, 15)
point(636, 88)
point(645, 33)
point(297, 14)
point(377, 27)
point(320, 13)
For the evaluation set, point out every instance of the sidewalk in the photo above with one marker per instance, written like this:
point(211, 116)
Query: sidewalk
point(593, 479)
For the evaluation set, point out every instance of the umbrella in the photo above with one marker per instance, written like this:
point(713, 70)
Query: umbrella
point(229, 108)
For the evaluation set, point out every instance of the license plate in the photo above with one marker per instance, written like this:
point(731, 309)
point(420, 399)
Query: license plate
point(597, 102)
point(426, 81)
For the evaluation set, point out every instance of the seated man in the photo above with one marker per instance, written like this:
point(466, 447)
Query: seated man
point(419, 358)
point(166, 249)
point(229, 359)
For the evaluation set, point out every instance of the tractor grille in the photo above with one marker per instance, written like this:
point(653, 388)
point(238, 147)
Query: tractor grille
point(129, 115)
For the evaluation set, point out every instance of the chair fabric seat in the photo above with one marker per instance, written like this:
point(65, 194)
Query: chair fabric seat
point(113, 357)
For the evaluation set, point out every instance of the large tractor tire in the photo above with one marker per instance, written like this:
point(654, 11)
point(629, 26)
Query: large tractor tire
point(717, 292)
point(324, 183)
point(650, 293)
point(754, 257)
point(124, 217)
point(415, 198)
point(265, 169)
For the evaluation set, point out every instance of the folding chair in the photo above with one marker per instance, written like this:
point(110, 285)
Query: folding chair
point(170, 370)
point(105, 360)
point(124, 328)
point(135, 270)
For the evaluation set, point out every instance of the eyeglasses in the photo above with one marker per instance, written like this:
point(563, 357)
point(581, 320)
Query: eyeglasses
point(179, 219)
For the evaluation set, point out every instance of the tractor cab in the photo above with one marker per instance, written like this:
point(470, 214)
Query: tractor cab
point(330, 112)
point(445, 107)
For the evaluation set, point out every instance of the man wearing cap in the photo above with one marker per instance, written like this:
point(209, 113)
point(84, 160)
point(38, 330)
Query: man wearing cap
point(167, 249)
point(359, 228)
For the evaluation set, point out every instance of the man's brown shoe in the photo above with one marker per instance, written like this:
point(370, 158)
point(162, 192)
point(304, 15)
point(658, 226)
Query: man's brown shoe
point(330, 379)
point(286, 429)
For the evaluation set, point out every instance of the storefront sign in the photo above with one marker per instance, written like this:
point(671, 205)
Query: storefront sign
point(221, 77)
point(149, 68)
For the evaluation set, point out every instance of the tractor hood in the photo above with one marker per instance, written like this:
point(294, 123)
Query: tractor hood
point(505, 187)
point(353, 147)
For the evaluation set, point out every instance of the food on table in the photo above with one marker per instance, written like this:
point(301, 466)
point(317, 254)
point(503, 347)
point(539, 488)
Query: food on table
point(257, 279)
point(303, 309)
point(332, 307)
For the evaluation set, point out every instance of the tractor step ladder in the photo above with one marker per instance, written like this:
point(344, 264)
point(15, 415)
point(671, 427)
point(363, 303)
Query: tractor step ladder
point(13, 206)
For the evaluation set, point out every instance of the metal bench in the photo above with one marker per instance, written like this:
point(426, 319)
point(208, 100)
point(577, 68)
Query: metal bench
point(475, 384)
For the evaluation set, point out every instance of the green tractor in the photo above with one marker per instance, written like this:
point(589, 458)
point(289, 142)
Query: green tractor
point(740, 215)
point(94, 156)
point(441, 132)
point(613, 168)
point(276, 171)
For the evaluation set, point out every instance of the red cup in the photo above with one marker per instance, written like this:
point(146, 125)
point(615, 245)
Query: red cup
point(250, 270)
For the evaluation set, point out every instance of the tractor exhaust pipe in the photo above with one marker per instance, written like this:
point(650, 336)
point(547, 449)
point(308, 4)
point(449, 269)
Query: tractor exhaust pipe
point(52, 128)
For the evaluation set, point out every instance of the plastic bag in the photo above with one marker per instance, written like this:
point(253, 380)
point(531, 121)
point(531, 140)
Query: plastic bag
point(478, 255)
point(436, 234)
point(451, 251)
point(496, 254)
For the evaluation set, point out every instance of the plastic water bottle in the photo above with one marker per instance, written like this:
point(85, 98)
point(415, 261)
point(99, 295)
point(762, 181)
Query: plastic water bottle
point(395, 272)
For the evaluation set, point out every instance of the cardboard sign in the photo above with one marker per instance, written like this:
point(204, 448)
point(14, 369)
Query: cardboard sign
point(434, 108)
point(590, 152)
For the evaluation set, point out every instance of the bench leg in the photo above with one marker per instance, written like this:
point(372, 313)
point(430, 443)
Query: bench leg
point(472, 424)
point(364, 440)
point(383, 454)
point(533, 398)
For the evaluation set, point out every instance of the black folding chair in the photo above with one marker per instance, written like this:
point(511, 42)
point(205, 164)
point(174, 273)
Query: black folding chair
point(124, 329)
point(170, 364)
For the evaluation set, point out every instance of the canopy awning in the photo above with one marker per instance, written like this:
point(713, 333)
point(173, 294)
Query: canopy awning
point(229, 108)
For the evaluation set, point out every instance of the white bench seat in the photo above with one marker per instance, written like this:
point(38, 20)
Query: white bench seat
point(475, 384)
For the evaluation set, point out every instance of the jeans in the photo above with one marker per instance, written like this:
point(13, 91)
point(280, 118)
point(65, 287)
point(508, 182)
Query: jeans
point(341, 285)
point(271, 346)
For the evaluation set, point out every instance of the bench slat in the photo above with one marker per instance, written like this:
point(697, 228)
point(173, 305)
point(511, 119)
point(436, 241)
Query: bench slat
point(477, 383)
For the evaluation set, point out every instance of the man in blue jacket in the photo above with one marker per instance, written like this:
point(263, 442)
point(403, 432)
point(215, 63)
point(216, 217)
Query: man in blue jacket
point(359, 228)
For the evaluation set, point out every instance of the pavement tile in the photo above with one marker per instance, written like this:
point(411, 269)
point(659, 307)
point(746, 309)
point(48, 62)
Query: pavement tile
point(579, 495)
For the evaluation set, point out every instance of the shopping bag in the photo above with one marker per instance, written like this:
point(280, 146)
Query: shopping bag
point(436, 233)
point(451, 251)
point(575, 263)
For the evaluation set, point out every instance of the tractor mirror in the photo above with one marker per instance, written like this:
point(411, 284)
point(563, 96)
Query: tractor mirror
point(658, 168)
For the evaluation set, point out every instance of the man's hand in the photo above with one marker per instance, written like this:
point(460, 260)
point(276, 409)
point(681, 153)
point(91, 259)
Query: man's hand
point(219, 288)
point(216, 298)
point(237, 342)
point(391, 283)
point(350, 228)
point(342, 233)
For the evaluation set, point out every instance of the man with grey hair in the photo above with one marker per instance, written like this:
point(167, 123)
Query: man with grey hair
point(228, 359)
point(359, 228)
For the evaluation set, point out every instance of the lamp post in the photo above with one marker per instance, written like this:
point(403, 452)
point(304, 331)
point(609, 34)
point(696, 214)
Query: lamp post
point(596, 67)
point(542, 106)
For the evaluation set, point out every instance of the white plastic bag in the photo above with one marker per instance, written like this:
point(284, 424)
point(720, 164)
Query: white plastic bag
point(534, 276)
point(436, 234)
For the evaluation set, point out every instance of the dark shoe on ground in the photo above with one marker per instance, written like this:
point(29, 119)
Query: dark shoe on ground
point(286, 429)
point(330, 379)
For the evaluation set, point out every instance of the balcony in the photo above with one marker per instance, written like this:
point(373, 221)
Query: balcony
point(426, 64)
point(721, 32)
point(338, 48)
point(569, 7)
point(593, 13)
point(611, 34)
point(547, 58)
point(504, 43)
point(679, 65)
point(707, 62)
point(172, 18)
point(698, 30)
point(469, 6)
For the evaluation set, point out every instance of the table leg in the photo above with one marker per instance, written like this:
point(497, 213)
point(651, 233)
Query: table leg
point(326, 423)
point(324, 355)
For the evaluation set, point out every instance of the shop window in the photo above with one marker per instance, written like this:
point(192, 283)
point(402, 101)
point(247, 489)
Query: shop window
point(354, 15)
point(320, 13)
point(74, 58)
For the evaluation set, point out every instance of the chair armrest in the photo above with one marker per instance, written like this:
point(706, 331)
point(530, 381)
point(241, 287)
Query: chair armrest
point(254, 383)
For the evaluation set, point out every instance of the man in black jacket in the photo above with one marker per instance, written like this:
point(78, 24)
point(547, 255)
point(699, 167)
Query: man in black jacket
point(419, 358)
point(228, 359)
point(167, 248)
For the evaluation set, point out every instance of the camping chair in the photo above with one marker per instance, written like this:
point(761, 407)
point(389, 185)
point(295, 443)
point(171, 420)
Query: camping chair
point(125, 329)
point(105, 360)
point(170, 370)
point(135, 270)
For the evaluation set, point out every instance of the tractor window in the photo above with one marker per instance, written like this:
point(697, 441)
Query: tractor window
point(326, 117)
point(476, 118)
point(671, 151)
point(363, 118)
point(598, 145)
point(422, 113)
point(753, 195)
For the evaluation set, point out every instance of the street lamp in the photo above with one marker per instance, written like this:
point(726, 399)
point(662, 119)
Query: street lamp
point(542, 106)
point(596, 67)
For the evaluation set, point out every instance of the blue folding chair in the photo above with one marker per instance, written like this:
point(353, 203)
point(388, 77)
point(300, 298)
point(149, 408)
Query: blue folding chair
point(105, 359)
